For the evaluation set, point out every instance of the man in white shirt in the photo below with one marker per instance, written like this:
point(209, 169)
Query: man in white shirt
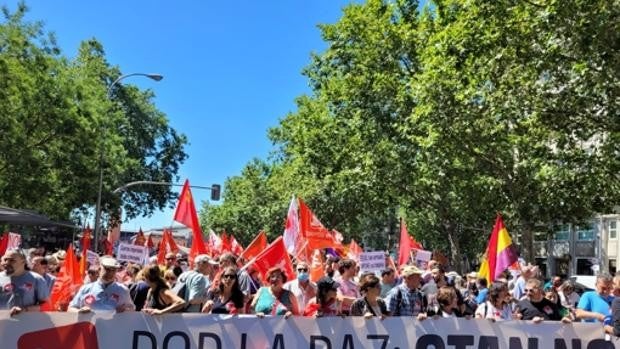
point(302, 287)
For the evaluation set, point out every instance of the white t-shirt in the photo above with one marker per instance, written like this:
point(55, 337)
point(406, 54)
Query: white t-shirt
point(488, 311)
point(570, 302)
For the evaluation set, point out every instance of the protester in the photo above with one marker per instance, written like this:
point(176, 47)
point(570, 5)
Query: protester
point(274, 299)
point(302, 287)
point(536, 307)
point(326, 302)
point(568, 297)
point(138, 287)
point(160, 298)
point(527, 272)
point(105, 294)
point(192, 285)
point(448, 303)
point(612, 323)
point(227, 298)
point(370, 305)
point(20, 289)
point(245, 282)
point(406, 299)
point(170, 277)
point(348, 290)
point(495, 307)
point(482, 291)
point(388, 281)
point(40, 266)
point(596, 305)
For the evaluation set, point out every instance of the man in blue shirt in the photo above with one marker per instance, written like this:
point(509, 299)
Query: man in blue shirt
point(406, 299)
point(105, 294)
point(596, 305)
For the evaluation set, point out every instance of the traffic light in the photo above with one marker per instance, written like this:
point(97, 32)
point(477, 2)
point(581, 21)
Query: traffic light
point(215, 192)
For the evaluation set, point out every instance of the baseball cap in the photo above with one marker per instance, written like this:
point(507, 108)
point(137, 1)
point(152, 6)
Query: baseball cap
point(411, 270)
point(109, 262)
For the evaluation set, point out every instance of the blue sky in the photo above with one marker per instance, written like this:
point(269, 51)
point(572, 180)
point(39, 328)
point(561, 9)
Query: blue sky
point(231, 69)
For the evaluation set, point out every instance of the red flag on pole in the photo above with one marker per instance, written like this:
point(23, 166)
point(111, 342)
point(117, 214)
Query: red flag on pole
point(405, 244)
point(313, 230)
point(226, 244)
point(85, 244)
point(185, 213)
point(274, 255)
point(255, 247)
point(166, 245)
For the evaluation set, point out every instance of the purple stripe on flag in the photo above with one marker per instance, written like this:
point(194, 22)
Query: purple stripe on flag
point(505, 258)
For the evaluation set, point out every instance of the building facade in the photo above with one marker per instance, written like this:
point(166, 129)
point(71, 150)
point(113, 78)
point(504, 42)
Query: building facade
point(586, 249)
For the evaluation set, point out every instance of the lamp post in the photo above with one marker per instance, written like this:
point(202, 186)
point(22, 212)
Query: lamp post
point(155, 77)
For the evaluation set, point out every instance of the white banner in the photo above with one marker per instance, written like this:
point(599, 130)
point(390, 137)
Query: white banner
point(131, 253)
point(372, 261)
point(200, 331)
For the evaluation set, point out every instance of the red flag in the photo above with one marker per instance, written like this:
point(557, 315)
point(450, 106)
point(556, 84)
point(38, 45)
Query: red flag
point(226, 244)
point(167, 244)
point(313, 230)
point(185, 213)
point(274, 255)
point(4, 243)
point(235, 246)
point(149, 242)
point(85, 244)
point(214, 242)
point(355, 251)
point(316, 266)
point(404, 247)
point(255, 247)
point(139, 238)
point(67, 283)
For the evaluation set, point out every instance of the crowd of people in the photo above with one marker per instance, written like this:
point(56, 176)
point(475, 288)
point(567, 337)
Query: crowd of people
point(220, 286)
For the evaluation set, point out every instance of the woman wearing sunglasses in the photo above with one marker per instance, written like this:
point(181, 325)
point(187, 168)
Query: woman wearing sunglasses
point(227, 297)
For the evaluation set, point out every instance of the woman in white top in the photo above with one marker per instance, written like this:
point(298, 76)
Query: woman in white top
point(568, 297)
point(496, 307)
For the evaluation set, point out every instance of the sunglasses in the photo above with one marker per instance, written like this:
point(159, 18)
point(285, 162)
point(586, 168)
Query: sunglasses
point(302, 269)
point(528, 290)
point(229, 276)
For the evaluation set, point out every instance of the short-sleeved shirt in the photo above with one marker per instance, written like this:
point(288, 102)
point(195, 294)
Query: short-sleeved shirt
point(49, 279)
point(545, 309)
point(303, 295)
point(102, 297)
point(22, 291)
point(196, 287)
point(594, 302)
point(401, 301)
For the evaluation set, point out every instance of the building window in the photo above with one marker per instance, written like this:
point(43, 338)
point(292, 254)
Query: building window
point(584, 266)
point(585, 232)
point(612, 266)
point(613, 229)
point(562, 234)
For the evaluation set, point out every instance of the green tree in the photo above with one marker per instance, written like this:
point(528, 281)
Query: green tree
point(53, 111)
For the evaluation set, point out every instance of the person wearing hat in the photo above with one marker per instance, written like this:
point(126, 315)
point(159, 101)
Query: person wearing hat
point(192, 285)
point(326, 302)
point(20, 290)
point(406, 299)
point(105, 294)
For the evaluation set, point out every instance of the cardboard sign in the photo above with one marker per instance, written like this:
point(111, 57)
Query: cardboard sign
point(372, 261)
point(131, 253)
point(421, 258)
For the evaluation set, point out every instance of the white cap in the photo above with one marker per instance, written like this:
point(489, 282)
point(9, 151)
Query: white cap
point(109, 262)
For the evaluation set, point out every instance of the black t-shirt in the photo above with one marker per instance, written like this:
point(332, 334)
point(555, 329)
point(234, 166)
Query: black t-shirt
point(545, 309)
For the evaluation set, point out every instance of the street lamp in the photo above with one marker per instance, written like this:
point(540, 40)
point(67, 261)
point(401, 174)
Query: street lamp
point(155, 77)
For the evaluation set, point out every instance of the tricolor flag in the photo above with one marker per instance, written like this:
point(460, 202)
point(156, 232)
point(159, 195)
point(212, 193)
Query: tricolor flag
point(500, 253)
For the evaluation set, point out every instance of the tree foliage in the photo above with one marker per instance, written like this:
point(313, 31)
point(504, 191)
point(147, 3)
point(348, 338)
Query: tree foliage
point(446, 116)
point(57, 117)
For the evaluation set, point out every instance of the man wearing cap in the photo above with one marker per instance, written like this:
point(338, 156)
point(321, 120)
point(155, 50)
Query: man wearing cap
point(196, 282)
point(105, 294)
point(405, 299)
point(20, 289)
